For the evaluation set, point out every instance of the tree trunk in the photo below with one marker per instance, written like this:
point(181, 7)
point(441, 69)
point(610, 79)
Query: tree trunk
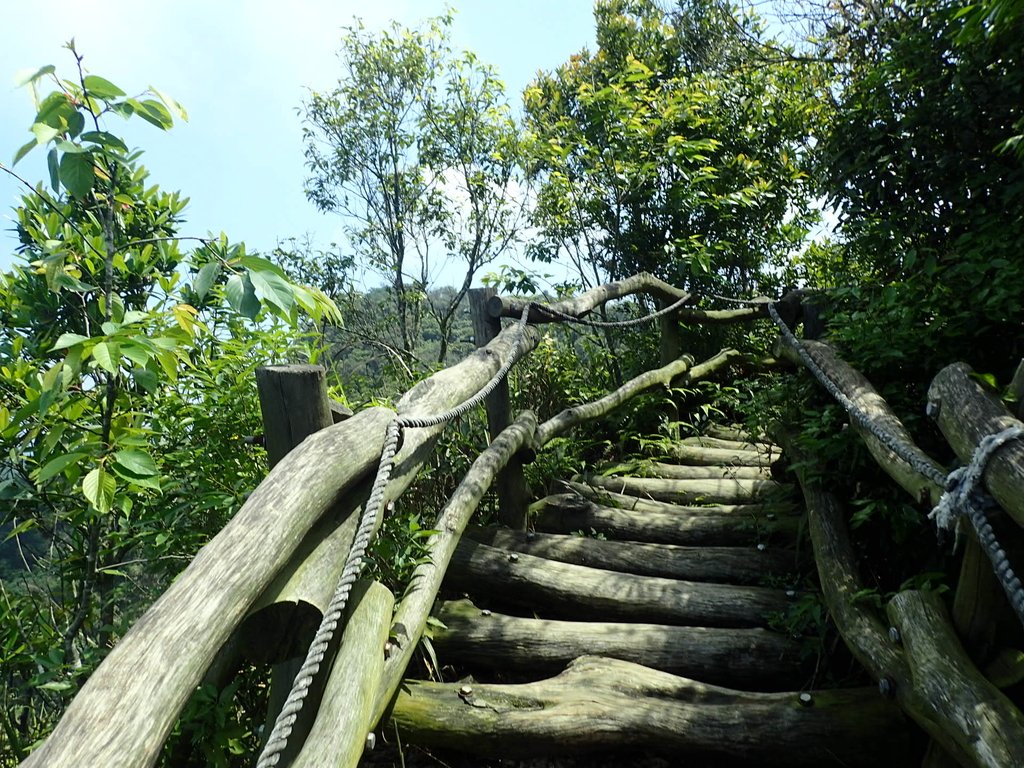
point(636, 504)
point(688, 491)
point(858, 389)
point(693, 454)
point(345, 710)
point(734, 565)
point(930, 675)
point(601, 704)
point(554, 589)
point(756, 659)
point(562, 514)
point(966, 413)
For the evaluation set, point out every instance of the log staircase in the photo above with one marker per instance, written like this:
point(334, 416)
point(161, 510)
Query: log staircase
point(637, 612)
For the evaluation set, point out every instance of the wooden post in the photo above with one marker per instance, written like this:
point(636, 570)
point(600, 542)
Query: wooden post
point(671, 344)
point(511, 485)
point(294, 404)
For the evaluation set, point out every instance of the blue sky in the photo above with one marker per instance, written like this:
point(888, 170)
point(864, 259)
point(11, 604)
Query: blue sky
point(241, 69)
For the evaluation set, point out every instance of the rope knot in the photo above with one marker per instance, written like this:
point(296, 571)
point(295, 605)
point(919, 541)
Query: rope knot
point(964, 485)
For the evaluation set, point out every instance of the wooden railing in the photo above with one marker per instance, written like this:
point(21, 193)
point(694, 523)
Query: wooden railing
point(923, 658)
point(257, 590)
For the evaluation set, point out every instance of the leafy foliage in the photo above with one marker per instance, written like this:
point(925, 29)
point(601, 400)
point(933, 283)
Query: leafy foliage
point(125, 391)
point(671, 149)
point(417, 149)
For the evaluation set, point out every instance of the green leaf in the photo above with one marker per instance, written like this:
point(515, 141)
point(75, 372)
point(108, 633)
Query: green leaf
point(259, 264)
point(153, 112)
point(104, 139)
point(98, 487)
point(108, 355)
point(206, 278)
point(69, 340)
point(51, 164)
point(137, 353)
point(273, 289)
point(76, 122)
point(102, 88)
point(53, 685)
point(137, 463)
point(76, 173)
point(25, 525)
point(44, 133)
point(172, 104)
point(145, 378)
point(49, 69)
point(242, 296)
point(25, 149)
point(58, 465)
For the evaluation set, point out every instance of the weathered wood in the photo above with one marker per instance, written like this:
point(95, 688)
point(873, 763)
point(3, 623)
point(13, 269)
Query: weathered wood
point(955, 726)
point(705, 472)
point(345, 711)
point(670, 337)
point(561, 590)
point(733, 432)
point(735, 565)
point(176, 639)
point(858, 389)
point(636, 504)
point(990, 726)
point(978, 601)
point(727, 444)
point(677, 373)
point(197, 614)
point(965, 412)
point(600, 704)
point(411, 615)
point(578, 414)
point(585, 303)
point(512, 493)
point(698, 530)
point(754, 659)
point(1015, 390)
point(711, 491)
point(692, 454)
point(294, 405)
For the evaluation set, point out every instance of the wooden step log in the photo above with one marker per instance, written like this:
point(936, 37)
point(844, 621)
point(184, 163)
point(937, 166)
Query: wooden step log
point(622, 501)
point(551, 589)
point(568, 514)
point(706, 441)
point(599, 704)
point(695, 454)
point(751, 659)
point(733, 432)
point(732, 565)
point(705, 472)
point(711, 491)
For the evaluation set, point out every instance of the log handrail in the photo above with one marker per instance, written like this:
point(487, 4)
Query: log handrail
point(195, 618)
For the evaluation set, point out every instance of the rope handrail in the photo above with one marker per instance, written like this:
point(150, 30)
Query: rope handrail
point(277, 741)
point(963, 495)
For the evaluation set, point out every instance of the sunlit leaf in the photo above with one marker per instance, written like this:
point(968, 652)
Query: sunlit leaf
point(69, 340)
point(58, 465)
point(102, 88)
point(76, 173)
point(99, 487)
point(136, 462)
point(108, 355)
